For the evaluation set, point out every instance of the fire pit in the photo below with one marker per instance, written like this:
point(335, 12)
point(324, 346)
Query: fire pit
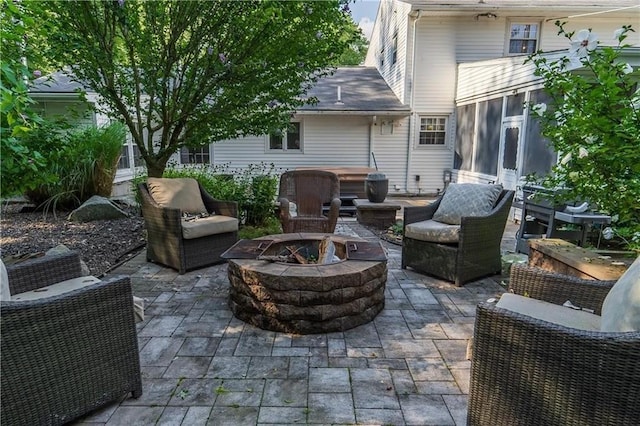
point(273, 294)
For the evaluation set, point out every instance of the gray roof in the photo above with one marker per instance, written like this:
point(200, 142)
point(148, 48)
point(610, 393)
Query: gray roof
point(58, 82)
point(362, 90)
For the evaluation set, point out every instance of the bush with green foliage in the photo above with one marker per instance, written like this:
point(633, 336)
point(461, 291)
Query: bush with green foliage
point(254, 188)
point(84, 162)
point(593, 122)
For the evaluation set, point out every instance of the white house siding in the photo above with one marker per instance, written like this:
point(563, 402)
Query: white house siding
point(434, 85)
point(390, 149)
point(392, 19)
point(327, 141)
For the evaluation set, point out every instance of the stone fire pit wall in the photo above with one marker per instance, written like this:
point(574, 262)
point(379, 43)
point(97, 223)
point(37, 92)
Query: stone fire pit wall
point(306, 299)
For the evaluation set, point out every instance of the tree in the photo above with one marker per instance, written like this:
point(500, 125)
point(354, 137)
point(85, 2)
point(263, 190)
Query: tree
point(593, 122)
point(22, 167)
point(188, 73)
point(357, 50)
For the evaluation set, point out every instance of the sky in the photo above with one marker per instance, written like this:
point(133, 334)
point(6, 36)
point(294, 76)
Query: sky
point(364, 14)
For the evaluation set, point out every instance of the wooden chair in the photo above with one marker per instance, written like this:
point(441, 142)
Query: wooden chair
point(471, 253)
point(302, 195)
point(166, 242)
point(70, 353)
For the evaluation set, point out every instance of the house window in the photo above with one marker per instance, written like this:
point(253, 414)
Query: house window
point(523, 38)
point(433, 130)
point(137, 158)
point(195, 155)
point(394, 49)
point(286, 140)
point(382, 58)
point(123, 162)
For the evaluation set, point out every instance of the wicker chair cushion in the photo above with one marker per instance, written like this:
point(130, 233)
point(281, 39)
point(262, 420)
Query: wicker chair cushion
point(466, 199)
point(56, 289)
point(433, 231)
point(621, 307)
point(178, 193)
point(550, 312)
point(211, 225)
point(5, 293)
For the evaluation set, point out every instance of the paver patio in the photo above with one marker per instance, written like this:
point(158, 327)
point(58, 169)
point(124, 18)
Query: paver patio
point(202, 366)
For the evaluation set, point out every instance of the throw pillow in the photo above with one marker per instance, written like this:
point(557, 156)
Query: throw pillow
point(466, 199)
point(5, 293)
point(621, 307)
point(178, 193)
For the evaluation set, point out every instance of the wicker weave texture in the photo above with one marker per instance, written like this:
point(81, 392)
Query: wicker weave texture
point(527, 371)
point(476, 255)
point(165, 244)
point(309, 190)
point(66, 355)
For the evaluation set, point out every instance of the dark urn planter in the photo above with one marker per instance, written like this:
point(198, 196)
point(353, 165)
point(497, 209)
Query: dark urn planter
point(376, 187)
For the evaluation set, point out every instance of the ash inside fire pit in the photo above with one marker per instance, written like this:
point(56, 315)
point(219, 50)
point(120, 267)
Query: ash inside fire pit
point(306, 252)
point(307, 298)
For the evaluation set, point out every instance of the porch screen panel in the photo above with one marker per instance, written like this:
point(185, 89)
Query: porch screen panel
point(489, 122)
point(515, 104)
point(539, 157)
point(465, 122)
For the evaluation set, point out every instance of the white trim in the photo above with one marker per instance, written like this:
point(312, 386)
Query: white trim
point(447, 120)
point(285, 148)
point(521, 21)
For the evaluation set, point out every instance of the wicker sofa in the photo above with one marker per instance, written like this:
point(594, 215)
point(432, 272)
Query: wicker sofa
point(166, 243)
point(66, 355)
point(475, 252)
point(529, 371)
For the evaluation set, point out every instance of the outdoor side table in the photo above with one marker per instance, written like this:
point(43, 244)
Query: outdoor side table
point(380, 215)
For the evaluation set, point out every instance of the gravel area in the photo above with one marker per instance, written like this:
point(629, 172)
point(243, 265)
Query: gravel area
point(102, 244)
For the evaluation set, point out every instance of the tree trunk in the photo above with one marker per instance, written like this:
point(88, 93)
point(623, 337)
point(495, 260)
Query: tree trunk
point(155, 167)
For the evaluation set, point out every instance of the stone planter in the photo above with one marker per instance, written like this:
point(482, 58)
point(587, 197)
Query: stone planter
point(377, 187)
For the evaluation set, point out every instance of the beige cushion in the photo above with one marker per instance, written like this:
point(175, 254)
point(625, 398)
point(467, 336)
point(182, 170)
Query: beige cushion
point(56, 289)
point(5, 293)
point(550, 312)
point(431, 230)
point(466, 199)
point(178, 193)
point(621, 307)
point(211, 225)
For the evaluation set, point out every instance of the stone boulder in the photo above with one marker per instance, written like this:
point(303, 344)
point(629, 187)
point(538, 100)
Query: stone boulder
point(96, 208)
point(59, 249)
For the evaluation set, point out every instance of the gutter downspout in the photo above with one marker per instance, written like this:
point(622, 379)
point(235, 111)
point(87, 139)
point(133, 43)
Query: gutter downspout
point(412, 119)
point(371, 133)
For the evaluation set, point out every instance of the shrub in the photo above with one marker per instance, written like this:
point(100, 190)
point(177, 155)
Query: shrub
point(84, 162)
point(253, 188)
point(593, 123)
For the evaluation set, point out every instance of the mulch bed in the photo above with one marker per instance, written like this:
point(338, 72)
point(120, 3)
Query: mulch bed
point(102, 244)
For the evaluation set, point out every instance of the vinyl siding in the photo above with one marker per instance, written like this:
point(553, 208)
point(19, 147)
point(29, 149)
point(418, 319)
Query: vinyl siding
point(392, 19)
point(390, 151)
point(435, 78)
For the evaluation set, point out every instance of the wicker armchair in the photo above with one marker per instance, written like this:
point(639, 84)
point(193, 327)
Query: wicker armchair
point(475, 255)
point(165, 242)
point(64, 356)
point(526, 371)
point(309, 190)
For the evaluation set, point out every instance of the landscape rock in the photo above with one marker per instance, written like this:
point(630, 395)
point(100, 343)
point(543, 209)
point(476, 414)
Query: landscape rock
point(96, 208)
point(61, 248)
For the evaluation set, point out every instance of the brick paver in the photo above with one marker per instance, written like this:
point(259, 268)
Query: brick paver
point(202, 366)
